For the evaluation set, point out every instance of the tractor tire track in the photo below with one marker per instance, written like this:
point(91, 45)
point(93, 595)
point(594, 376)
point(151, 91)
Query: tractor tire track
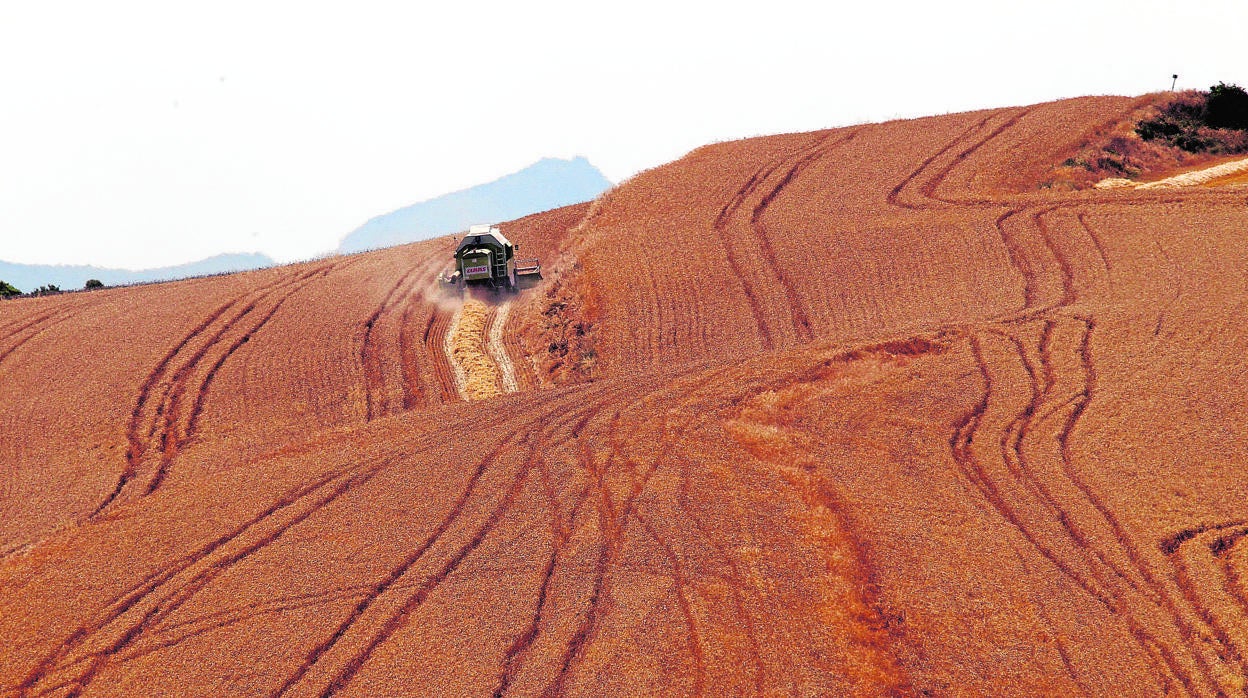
point(515, 350)
point(966, 434)
point(1040, 285)
point(667, 438)
point(1198, 562)
point(1125, 591)
point(496, 348)
point(1160, 596)
point(441, 370)
point(533, 461)
point(894, 196)
point(160, 593)
point(191, 428)
point(1101, 577)
point(613, 520)
point(1176, 283)
point(1012, 448)
point(721, 224)
point(1035, 415)
point(20, 322)
point(793, 164)
point(1066, 271)
point(1120, 589)
point(314, 677)
point(1021, 263)
point(71, 303)
point(156, 422)
point(735, 578)
point(517, 650)
point(411, 361)
point(562, 529)
point(609, 527)
point(928, 188)
point(377, 402)
point(32, 329)
point(1233, 583)
point(390, 581)
point(25, 324)
point(397, 621)
point(1106, 265)
point(174, 430)
point(680, 584)
point(149, 621)
point(170, 635)
point(601, 586)
point(751, 297)
point(136, 443)
point(800, 317)
point(1067, 664)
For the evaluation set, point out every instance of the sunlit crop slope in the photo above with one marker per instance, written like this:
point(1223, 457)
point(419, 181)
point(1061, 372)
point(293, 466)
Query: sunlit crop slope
point(867, 413)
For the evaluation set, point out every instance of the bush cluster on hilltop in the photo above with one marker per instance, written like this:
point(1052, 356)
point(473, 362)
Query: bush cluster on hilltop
point(1202, 122)
point(1168, 130)
point(8, 290)
point(1227, 107)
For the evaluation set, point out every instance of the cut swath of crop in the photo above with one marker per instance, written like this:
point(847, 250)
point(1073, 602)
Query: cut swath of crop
point(482, 378)
point(498, 349)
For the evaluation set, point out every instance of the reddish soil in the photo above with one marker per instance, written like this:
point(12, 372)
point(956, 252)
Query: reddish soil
point(867, 414)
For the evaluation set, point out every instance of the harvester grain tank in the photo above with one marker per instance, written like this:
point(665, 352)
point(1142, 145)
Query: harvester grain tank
point(485, 258)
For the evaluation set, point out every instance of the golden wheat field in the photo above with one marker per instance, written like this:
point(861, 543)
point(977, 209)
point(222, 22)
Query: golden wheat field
point(856, 412)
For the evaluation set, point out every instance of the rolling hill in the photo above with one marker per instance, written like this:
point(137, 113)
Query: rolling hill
point(546, 184)
point(854, 412)
point(28, 277)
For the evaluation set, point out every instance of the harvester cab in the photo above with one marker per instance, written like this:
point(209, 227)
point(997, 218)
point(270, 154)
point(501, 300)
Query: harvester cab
point(486, 258)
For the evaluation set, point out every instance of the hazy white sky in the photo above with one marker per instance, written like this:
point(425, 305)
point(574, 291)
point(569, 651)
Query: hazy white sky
point(137, 134)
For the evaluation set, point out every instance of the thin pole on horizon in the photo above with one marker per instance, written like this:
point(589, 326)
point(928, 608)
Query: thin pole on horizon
point(1174, 81)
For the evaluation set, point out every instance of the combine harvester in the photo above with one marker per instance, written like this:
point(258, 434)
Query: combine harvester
point(486, 258)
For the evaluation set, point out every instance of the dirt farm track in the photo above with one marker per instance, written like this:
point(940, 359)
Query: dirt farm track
point(857, 412)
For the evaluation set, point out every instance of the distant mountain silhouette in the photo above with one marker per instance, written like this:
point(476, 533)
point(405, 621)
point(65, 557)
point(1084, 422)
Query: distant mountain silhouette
point(28, 277)
point(546, 184)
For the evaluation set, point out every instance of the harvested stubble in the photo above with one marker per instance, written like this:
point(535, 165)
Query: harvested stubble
point(497, 348)
point(482, 378)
